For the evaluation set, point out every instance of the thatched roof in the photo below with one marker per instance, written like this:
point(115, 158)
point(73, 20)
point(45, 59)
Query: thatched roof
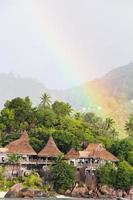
point(84, 154)
point(3, 150)
point(105, 155)
point(50, 150)
point(72, 153)
point(98, 151)
point(94, 147)
point(21, 146)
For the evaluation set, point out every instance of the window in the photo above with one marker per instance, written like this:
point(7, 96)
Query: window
point(3, 159)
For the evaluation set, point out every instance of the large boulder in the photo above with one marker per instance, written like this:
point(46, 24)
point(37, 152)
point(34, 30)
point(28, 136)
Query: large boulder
point(26, 193)
point(80, 191)
point(14, 191)
point(107, 191)
point(17, 191)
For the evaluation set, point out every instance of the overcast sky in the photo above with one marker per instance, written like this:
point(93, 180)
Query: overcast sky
point(64, 43)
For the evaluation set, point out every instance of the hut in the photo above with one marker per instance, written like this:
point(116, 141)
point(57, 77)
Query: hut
point(49, 152)
point(91, 158)
point(23, 148)
point(72, 156)
point(97, 156)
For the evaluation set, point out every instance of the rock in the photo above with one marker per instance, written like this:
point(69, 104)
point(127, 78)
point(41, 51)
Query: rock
point(68, 192)
point(119, 193)
point(80, 191)
point(107, 191)
point(14, 191)
point(26, 193)
point(17, 191)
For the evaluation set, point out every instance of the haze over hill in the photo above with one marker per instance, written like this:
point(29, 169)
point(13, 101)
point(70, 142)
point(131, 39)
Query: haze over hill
point(111, 95)
point(116, 83)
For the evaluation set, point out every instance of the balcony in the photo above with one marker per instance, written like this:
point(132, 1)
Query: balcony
point(36, 162)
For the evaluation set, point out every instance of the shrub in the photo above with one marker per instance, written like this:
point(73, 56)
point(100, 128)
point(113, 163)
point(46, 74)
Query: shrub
point(63, 176)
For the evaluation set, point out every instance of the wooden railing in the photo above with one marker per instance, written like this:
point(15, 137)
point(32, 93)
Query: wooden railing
point(37, 161)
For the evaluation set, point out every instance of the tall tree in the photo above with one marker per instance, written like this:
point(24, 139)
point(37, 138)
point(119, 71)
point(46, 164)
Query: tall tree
point(61, 108)
point(129, 126)
point(45, 100)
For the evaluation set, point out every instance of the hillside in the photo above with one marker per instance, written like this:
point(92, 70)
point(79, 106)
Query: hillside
point(110, 95)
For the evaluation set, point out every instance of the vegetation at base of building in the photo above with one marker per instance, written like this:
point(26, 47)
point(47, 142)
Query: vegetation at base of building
point(63, 176)
point(120, 177)
point(5, 184)
point(33, 181)
point(106, 175)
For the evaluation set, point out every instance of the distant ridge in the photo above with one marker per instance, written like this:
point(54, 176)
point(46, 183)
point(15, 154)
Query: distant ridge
point(115, 87)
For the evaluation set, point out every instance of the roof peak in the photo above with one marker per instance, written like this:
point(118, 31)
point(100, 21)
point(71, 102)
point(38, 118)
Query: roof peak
point(21, 145)
point(24, 136)
point(50, 149)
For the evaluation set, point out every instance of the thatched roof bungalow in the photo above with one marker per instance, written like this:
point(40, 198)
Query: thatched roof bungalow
point(50, 149)
point(97, 151)
point(72, 154)
point(21, 146)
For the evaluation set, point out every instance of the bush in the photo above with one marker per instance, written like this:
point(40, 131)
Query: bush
point(106, 175)
point(124, 176)
point(63, 176)
point(33, 180)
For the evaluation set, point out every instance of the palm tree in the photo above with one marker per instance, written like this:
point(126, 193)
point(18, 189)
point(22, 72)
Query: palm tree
point(109, 123)
point(45, 100)
point(129, 127)
point(14, 160)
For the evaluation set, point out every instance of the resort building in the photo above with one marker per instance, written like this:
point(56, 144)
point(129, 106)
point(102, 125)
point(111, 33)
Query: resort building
point(27, 154)
point(94, 156)
point(73, 157)
point(22, 147)
point(49, 152)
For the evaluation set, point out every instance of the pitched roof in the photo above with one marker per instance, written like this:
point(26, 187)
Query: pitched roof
point(105, 155)
point(84, 154)
point(94, 147)
point(50, 150)
point(3, 150)
point(21, 145)
point(72, 153)
point(98, 151)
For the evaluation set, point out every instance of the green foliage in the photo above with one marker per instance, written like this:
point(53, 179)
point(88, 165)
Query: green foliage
point(14, 158)
point(68, 130)
point(45, 100)
point(130, 157)
point(63, 176)
point(4, 183)
point(129, 126)
point(122, 149)
point(124, 176)
point(61, 108)
point(106, 175)
point(46, 117)
point(33, 180)
point(120, 177)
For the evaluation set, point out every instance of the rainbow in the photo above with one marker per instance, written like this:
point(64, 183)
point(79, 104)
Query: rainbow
point(70, 61)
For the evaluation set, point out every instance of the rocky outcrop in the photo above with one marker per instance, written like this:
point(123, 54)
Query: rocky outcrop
point(14, 191)
point(17, 191)
point(80, 191)
point(100, 192)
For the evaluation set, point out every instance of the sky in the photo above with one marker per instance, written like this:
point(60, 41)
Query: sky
point(64, 43)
